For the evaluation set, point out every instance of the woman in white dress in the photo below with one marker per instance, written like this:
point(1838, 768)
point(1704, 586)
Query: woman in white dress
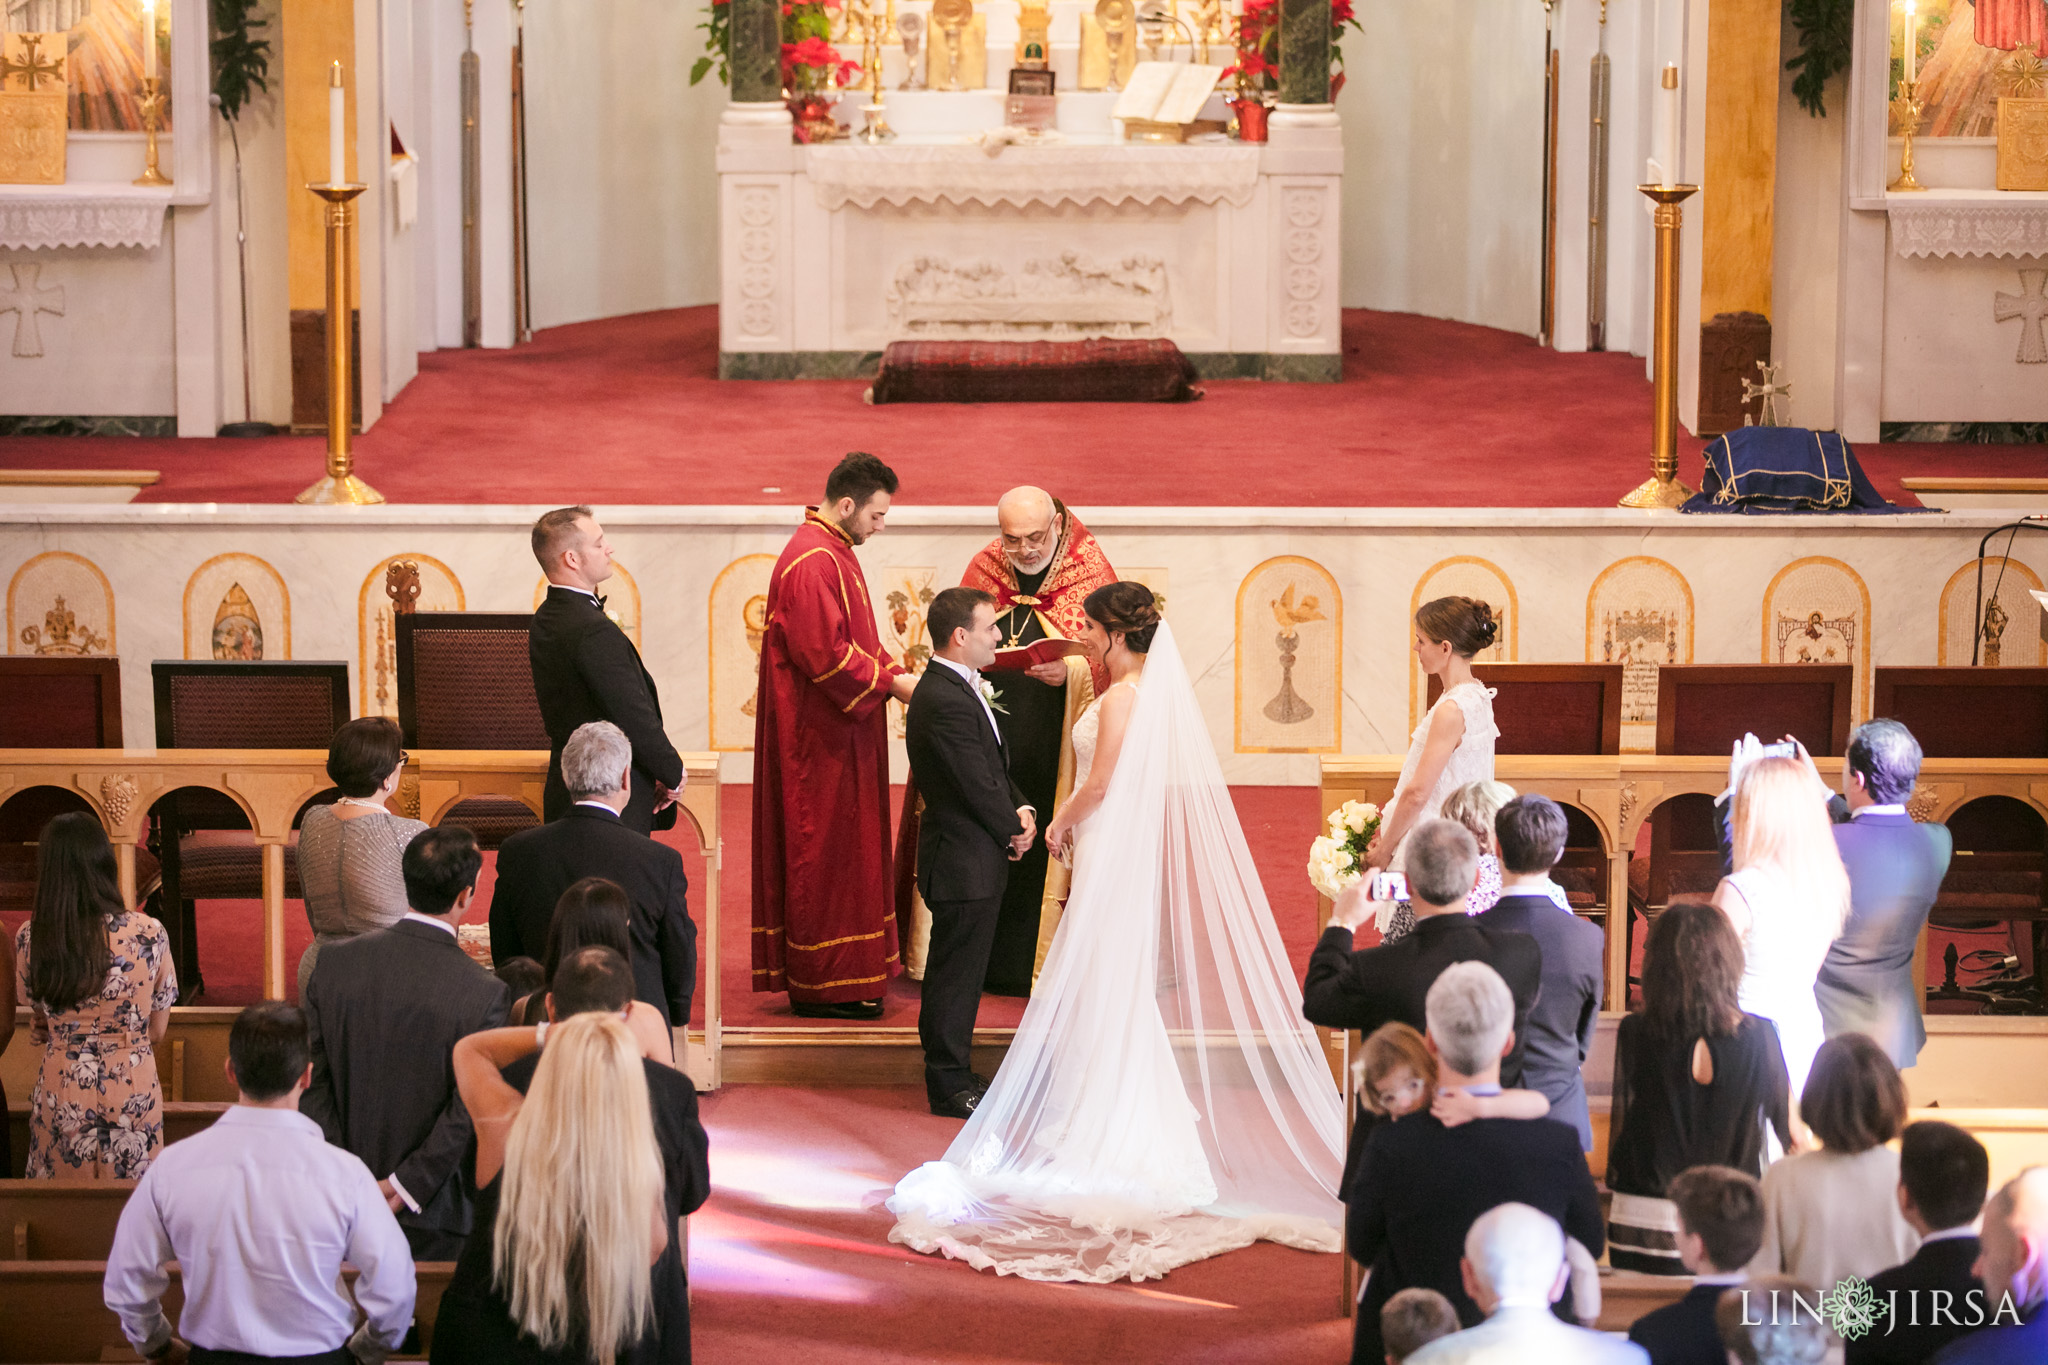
point(1163, 1100)
point(1452, 747)
point(1787, 898)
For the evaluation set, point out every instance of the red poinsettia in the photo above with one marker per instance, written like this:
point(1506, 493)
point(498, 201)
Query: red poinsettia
point(814, 63)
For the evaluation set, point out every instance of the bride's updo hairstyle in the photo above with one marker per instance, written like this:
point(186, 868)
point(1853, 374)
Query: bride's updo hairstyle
point(1467, 623)
point(1128, 607)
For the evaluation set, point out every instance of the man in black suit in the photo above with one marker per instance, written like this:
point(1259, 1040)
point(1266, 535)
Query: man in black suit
point(1944, 1174)
point(1558, 1034)
point(585, 669)
point(1421, 1184)
point(535, 866)
point(975, 824)
point(1390, 984)
point(1720, 1227)
point(597, 978)
point(385, 1011)
point(1895, 865)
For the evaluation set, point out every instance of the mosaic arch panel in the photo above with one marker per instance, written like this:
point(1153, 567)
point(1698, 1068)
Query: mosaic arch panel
point(376, 636)
point(2010, 620)
point(1290, 652)
point(1817, 611)
point(60, 604)
point(1639, 615)
point(739, 616)
point(237, 607)
point(901, 596)
point(621, 600)
point(1464, 576)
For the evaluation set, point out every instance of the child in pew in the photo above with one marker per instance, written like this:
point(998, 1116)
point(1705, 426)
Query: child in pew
point(1720, 1227)
point(1412, 1319)
point(260, 1212)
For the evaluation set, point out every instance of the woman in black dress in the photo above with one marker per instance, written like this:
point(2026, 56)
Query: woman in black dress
point(570, 1212)
point(1697, 1082)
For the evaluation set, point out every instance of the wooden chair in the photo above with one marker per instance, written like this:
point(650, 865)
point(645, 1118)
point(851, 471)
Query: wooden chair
point(1706, 708)
point(1967, 712)
point(1552, 708)
point(464, 682)
point(51, 702)
point(203, 839)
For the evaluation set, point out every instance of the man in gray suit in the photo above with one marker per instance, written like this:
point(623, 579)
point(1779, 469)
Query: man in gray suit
point(1895, 867)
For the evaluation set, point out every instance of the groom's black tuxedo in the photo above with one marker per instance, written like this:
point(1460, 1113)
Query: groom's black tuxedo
point(963, 862)
point(585, 669)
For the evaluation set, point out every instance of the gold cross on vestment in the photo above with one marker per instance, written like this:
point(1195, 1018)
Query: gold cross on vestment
point(33, 66)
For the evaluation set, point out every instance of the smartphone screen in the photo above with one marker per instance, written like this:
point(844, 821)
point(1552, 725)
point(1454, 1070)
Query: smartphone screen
point(1389, 886)
point(1783, 749)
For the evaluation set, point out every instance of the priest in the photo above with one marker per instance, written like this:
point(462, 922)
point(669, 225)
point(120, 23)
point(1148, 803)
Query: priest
point(1041, 567)
point(824, 927)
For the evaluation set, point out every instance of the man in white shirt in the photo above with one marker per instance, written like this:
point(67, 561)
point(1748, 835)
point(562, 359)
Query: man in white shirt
point(1514, 1268)
point(260, 1212)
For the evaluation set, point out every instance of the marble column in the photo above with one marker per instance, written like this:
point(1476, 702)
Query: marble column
point(756, 57)
point(1304, 51)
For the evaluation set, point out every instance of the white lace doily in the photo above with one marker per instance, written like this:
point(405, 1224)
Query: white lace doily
point(61, 216)
point(966, 174)
point(1968, 223)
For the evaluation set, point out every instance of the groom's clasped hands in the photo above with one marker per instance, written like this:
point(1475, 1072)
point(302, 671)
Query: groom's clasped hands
point(1021, 845)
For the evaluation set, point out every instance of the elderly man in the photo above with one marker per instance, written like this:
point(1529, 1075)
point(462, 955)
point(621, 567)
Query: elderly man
point(2013, 1268)
point(1514, 1268)
point(1040, 569)
point(1421, 1185)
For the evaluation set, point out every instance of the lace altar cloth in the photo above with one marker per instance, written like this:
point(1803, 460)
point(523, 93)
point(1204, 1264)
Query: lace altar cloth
point(1969, 223)
point(41, 217)
point(963, 173)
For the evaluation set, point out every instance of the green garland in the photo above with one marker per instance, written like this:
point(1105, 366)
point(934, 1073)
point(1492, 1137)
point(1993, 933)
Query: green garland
point(1824, 32)
point(241, 63)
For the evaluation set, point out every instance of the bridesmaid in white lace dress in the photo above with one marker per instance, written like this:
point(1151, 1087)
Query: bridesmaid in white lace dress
point(1452, 746)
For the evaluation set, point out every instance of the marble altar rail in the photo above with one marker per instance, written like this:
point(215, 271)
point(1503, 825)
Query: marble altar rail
point(271, 786)
point(1621, 792)
point(159, 581)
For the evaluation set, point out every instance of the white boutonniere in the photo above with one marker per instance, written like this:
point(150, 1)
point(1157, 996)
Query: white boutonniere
point(988, 694)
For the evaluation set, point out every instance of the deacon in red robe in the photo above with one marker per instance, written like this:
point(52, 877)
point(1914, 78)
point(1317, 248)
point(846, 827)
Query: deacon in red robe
point(1040, 569)
point(824, 927)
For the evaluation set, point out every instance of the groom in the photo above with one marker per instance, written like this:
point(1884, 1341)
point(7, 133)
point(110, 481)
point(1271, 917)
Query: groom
point(975, 823)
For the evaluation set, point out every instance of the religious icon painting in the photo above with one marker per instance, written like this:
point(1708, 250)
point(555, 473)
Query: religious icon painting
point(739, 621)
point(621, 594)
point(1290, 651)
point(60, 604)
point(402, 583)
point(1817, 611)
point(1463, 576)
point(903, 596)
point(237, 607)
point(2007, 628)
point(1639, 615)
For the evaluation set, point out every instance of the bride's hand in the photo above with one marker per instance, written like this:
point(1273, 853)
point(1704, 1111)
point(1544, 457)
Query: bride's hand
point(1059, 834)
point(1378, 855)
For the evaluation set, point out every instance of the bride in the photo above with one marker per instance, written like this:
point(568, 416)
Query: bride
point(1164, 1100)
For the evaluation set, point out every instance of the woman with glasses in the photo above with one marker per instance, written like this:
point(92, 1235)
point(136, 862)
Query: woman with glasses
point(350, 852)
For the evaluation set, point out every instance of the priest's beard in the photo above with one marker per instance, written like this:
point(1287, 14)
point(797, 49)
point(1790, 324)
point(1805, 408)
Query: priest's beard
point(1028, 567)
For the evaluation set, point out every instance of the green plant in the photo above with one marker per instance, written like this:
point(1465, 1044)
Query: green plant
point(241, 61)
point(717, 28)
point(1823, 48)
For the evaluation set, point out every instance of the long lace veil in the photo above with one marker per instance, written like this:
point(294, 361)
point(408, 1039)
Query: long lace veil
point(1164, 1099)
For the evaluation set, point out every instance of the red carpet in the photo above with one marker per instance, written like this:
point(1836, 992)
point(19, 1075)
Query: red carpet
point(638, 399)
point(791, 1261)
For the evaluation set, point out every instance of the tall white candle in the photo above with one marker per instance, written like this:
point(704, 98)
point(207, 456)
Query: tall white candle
point(1670, 103)
point(1912, 42)
point(149, 39)
point(337, 160)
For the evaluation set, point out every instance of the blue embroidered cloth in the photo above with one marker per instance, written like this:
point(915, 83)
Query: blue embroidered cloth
point(1785, 469)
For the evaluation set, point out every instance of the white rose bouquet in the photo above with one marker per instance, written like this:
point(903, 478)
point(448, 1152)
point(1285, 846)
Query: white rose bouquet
point(1336, 860)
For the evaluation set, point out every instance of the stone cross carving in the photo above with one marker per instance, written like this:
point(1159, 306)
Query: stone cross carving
point(2029, 306)
point(25, 300)
point(1772, 391)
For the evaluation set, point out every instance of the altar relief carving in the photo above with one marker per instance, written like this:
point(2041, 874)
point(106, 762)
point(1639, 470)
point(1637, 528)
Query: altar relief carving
point(2029, 306)
point(757, 260)
point(1304, 275)
point(27, 299)
point(1064, 297)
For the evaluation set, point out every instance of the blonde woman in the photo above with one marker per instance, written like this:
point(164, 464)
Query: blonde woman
point(1787, 899)
point(569, 1212)
point(1474, 805)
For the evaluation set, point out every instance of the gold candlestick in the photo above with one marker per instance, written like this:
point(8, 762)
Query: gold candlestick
point(341, 484)
point(151, 106)
point(1908, 108)
point(1662, 488)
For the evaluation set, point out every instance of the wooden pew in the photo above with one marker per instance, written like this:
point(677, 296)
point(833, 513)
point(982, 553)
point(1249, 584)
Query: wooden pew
point(181, 1120)
point(60, 1220)
point(54, 1311)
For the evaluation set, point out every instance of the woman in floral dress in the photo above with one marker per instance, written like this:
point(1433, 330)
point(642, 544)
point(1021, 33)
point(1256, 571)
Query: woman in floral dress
point(98, 977)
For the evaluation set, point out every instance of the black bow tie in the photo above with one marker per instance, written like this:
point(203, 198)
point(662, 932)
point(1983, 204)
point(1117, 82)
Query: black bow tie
point(599, 600)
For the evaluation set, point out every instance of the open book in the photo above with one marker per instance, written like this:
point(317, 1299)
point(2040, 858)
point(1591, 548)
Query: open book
point(1166, 92)
point(1031, 655)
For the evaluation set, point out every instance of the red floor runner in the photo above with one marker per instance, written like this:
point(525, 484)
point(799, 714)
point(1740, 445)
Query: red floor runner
point(639, 400)
point(791, 1261)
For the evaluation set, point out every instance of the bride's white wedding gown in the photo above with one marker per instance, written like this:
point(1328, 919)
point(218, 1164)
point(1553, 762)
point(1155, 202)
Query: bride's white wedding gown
point(1164, 1100)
